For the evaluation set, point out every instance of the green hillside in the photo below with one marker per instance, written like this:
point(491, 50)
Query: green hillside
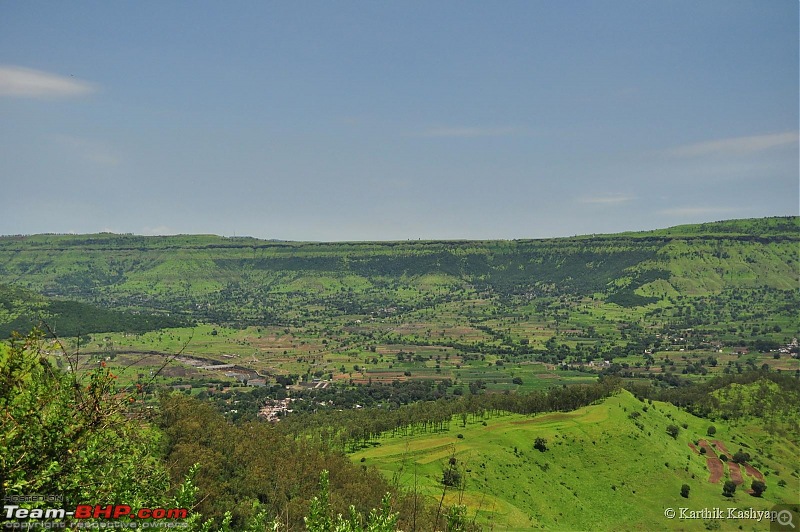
point(21, 310)
point(244, 280)
point(686, 302)
point(608, 466)
point(180, 271)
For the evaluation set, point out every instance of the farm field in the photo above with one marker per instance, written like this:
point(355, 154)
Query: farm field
point(681, 304)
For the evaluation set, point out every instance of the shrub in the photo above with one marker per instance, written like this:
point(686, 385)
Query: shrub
point(75, 434)
point(540, 444)
point(740, 457)
point(685, 491)
point(728, 489)
point(451, 476)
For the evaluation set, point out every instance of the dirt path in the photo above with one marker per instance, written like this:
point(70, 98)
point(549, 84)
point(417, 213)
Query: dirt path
point(692, 447)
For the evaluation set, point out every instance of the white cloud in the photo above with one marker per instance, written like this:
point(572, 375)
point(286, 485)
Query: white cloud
point(608, 199)
point(736, 145)
point(470, 132)
point(28, 83)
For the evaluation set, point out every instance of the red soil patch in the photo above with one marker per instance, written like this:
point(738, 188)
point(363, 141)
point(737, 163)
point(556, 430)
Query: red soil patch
point(709, 449)
point(692, 447)
point(750, 470)
point(736, 473)
point(753, 472)
point(714, 464)
point(715, 468)
point(721, 447)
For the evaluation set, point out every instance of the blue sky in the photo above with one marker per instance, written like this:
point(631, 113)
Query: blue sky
point(395, 120)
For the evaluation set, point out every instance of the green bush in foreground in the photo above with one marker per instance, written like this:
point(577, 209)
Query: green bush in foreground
point(71, 434)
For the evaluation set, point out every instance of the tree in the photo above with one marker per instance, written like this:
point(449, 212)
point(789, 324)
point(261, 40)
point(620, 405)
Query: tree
point(72, 433)
point(711, 430)
point(685, 491)
point(540, 444)
point(319, 515)
point(741, 457)
point(451, 476)
point(673, 430)
point(758, 488)
point(728, 489)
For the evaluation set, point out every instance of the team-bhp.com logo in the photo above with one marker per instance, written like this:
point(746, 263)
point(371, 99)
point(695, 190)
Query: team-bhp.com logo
point(88, 511)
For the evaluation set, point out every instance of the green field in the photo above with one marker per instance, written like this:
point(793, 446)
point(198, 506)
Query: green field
point(602, 470)
point(685, 303)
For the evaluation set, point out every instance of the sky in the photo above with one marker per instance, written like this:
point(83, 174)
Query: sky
point(331, 121)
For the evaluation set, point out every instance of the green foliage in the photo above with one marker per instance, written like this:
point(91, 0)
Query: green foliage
point(673, 430)
point(685, 491)
point(540, 444)
point(728, 489)
point(70, 434)
point(451, 474)
point(253, 469)
point(456, 517)
point(740, 457)
point(758, 488)
point(25, 310)
point(319, 516)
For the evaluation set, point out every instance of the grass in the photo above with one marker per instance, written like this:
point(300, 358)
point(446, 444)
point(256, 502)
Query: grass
point(601, 471)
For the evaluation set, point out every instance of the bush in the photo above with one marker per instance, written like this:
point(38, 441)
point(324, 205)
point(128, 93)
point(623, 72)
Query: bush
point(711, 430)
point(72, 433)
point(741, 457)
point(540, 444)
point(685, 491)
point(728, 489)
point(758, 488)
point(673, 430)
point(451, 476)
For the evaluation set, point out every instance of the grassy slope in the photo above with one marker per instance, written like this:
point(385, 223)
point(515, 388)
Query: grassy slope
point(696, 259)
point(342, 299)
point(600, 472)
